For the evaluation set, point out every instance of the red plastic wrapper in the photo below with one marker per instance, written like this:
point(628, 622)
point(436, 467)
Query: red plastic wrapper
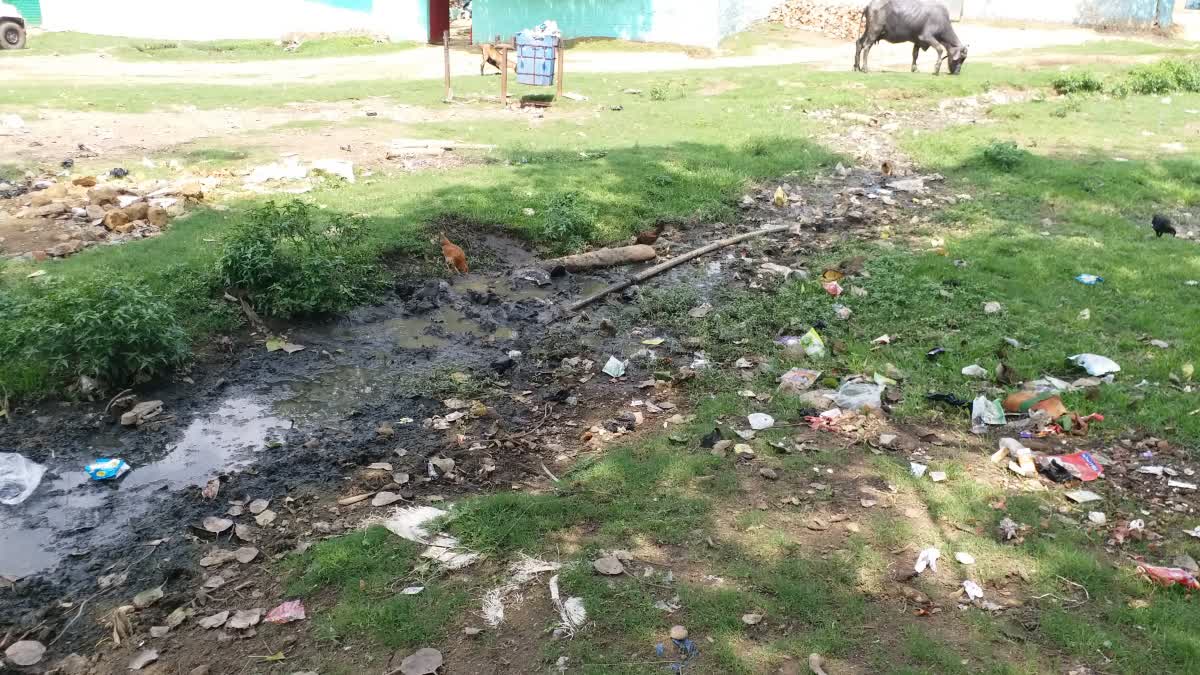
point(1169, 576)
point(1081, 465)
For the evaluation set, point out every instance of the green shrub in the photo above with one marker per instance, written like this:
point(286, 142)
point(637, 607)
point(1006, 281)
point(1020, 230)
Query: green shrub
point(1077, 83)
point(108, 327)
point(1005, 155)
point(1165, 77)
point(291, 260)
point(569, 221)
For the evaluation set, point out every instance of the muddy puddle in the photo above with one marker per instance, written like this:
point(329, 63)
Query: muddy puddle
point(359, 363)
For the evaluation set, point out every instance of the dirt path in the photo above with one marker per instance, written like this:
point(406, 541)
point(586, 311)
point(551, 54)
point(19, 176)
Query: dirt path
point(426, 63)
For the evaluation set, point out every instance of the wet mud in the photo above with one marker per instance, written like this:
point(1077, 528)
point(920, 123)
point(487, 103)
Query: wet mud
point(296, 428)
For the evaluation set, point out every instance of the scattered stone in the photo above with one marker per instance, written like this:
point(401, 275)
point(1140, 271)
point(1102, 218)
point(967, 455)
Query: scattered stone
point(199, 670)
point(701, 311)
point(964, 558)
point(142, 413)
point(157, 216)
point(258, 506)
point(215, 621)
point(159, 631)
point(608, 566)
point(143, 659)
point(245, 554)
point(148, 597)
point(422, 662)
point(25, 652)
point(752, 619)
point(445, 465)
point(679, 633)
point(385, 498)
point(1097, 517)
point(216, 557)
point(817, 524)
point(245, 618)
point(216, 525)
point(265, 518)
point(471, 631)
point(768, 473)
point(744, 451)
point(886, 440)
point(992, 308)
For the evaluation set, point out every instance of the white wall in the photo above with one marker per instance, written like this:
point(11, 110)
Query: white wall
point(1087, 12)
point(229, 19)
point(736, 15)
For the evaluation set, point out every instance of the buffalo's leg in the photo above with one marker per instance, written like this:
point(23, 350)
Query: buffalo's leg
point(916, 50)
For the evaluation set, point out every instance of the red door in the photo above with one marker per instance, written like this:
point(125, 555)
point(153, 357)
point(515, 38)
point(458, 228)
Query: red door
point(439, 20)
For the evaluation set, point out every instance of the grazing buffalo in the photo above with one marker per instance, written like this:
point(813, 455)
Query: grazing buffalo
point(925, 23)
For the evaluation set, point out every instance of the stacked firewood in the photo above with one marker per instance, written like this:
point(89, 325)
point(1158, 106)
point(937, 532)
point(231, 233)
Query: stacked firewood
point(835, 18)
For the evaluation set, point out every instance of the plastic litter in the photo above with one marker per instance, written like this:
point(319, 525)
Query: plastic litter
point(1089, 279)
point(812, 344)
point(833, 288)
point(948, 399)
point(19, 477)
point(1169, 576)
point(984, 412)
point(615, 367)
point(760, 421)
point(1083, 496)
point(797, 380)
point(972, 589)
point(927, 558)
point(917, 469)
point(1095, 365)
point(107, 469)
point(1078, 465)
point(934, 353)
point(975, 370)
point(292, 610)
point(859, 395)
point(964, 558)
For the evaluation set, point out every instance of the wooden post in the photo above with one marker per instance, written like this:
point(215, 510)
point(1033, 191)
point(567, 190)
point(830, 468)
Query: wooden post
point(503, 76)
point(559, 65)
point(446, 52)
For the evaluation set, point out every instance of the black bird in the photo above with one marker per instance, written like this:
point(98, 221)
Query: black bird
point(1161, 225)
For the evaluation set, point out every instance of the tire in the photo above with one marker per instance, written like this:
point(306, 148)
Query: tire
point(12, 35)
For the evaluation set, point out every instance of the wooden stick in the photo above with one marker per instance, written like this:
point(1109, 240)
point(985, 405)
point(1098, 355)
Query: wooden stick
point(504, 77)
point(559, 66)
point(673, 262)
point(446, 51)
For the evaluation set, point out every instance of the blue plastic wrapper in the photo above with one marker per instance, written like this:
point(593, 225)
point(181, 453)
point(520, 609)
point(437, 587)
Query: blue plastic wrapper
point(1089, 279)
point(106, 468)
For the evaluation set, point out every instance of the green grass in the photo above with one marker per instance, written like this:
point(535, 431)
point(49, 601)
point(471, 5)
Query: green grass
point(138, 49)
point(355, 579)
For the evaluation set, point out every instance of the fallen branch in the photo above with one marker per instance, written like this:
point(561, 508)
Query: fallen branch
point(673, 262)
point(604, 257)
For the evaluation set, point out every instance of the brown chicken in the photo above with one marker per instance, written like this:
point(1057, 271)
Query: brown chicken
point(455, 258)
point(648, 237)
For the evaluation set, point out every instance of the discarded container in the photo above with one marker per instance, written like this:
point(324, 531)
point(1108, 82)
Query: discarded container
point(107, 469)
point(1095, 365)
point(859, 395)
point(536, 57)
point(19, 477)
point(1089, 279)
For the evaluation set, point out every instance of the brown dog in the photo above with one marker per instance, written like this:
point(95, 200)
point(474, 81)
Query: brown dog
point(490, 55)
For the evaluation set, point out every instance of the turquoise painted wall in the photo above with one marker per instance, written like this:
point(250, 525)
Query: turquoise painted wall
point(355, 5)
point(681, 21)
point(30, 9)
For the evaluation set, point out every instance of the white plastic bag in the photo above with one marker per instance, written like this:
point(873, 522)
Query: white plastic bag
point(19, 477)
point(859, 395)
point(927, 558)
point(1096, 365)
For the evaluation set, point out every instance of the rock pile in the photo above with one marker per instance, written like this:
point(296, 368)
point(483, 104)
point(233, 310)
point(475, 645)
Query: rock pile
point(835, 18)
point(82, 212)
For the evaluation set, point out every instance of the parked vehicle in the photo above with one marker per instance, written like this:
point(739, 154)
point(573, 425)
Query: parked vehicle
point(12, 27)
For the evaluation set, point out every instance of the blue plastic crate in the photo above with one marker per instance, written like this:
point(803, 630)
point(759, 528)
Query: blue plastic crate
point(536, 58)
